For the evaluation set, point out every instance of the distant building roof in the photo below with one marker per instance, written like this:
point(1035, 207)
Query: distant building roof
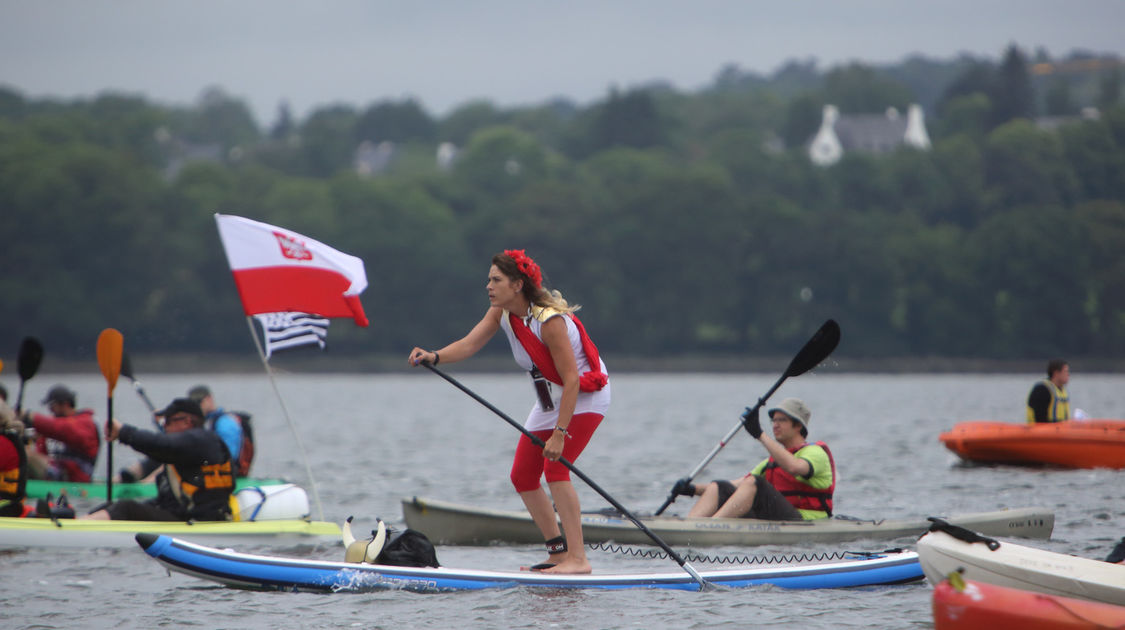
point(178, 153)
point(373, 159)
point(1051, 123)
point(868, 133)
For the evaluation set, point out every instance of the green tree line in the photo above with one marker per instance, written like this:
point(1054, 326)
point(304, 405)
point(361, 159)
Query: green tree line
point(685, 223)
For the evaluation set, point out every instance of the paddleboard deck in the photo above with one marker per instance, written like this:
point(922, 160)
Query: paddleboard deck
point(242, 570)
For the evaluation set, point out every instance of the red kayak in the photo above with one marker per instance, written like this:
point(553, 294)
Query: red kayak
point(1073, 444)
point(961, 604)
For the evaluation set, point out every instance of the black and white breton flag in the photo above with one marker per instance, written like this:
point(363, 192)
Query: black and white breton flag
point(283, 331)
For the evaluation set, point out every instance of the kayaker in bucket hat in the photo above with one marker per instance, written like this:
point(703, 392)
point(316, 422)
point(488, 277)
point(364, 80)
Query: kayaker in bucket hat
point(796, 482)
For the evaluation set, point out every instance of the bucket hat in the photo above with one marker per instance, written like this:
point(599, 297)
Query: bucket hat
point(794, 408)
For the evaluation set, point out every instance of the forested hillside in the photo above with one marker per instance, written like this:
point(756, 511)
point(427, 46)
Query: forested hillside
point(685, 223)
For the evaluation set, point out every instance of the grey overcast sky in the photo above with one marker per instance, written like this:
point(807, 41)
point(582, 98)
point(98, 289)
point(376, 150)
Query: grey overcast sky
point(445, 53)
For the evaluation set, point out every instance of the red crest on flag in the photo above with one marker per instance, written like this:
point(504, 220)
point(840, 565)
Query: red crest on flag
point(292, 248)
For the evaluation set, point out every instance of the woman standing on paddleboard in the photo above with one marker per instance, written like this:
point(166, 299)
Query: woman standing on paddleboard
point(550, 343)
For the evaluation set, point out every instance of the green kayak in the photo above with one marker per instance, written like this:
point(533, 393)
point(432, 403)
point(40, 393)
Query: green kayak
point(38, 488)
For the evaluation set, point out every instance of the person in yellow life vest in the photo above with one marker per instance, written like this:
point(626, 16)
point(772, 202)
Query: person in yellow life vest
point(1048, 400)
point(197, 480)
point(795, 483)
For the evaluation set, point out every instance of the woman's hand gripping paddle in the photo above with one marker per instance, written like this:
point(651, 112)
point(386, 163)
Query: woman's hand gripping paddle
point(110, 348)
point(562, 460)
point(816, 349)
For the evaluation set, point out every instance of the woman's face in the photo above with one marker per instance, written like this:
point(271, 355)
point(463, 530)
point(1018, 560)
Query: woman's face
point(502, 290)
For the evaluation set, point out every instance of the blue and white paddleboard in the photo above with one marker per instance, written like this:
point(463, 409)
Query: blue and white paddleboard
point(276, 573)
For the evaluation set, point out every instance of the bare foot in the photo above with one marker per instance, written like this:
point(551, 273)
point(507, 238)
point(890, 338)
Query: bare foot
point(570, 566)
point(552, 559)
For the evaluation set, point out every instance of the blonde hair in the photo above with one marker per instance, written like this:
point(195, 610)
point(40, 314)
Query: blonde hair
point(553, 299)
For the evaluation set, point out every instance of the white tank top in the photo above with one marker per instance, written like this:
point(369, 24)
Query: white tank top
point(588, 402)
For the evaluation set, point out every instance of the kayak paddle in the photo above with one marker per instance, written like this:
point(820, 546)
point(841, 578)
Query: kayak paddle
point(816, 349)
point(110, 349)
point(31, 355)
point(562, 460)
point(127, 372)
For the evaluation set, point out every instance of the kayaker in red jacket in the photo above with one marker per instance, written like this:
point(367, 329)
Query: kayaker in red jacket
point(66, 448)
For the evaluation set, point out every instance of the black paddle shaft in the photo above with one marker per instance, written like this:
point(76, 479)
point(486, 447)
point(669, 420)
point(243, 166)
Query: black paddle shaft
point(538, 442)
point(109, 450)
point(127, 372)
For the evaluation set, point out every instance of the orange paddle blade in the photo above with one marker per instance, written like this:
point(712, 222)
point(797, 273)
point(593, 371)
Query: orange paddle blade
point(110, 348)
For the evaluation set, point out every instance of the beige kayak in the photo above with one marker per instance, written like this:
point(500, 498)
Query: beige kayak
point(457, 524)
point(1011, 565)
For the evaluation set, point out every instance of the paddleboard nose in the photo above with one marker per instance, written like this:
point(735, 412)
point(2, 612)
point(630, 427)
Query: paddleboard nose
point(146, 540)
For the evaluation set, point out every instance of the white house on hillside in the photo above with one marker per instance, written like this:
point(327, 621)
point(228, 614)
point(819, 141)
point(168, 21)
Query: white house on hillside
point(868, 133)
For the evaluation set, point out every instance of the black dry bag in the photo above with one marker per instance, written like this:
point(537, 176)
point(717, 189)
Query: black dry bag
point(409, 548)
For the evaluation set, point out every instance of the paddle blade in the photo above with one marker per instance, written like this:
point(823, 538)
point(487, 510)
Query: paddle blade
point(126, 366)
point(110, 349)
point(31, 355)
point(823, 342)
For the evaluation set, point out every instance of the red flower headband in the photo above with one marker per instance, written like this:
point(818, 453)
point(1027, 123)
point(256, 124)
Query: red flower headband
point(526, 266)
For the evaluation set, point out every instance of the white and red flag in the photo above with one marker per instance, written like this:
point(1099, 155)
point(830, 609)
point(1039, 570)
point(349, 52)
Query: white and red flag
point(277, 270)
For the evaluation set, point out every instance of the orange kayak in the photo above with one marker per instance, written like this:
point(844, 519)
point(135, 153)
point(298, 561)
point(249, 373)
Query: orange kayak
point(961, 604)
point(1073, 444)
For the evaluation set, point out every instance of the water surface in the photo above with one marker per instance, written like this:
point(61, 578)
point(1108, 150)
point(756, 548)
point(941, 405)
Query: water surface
point(373, 439)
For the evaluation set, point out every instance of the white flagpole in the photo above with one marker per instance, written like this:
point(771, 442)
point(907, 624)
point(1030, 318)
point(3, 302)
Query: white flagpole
point(288, 420)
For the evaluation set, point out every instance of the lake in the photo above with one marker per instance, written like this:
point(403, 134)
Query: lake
point(372, 439)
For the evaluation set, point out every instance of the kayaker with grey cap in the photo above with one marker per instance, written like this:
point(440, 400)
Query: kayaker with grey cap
point(795, 483)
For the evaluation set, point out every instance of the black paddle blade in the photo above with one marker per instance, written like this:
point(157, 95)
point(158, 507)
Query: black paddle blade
point(31, 355)
point(126, 367)
point(816, 350)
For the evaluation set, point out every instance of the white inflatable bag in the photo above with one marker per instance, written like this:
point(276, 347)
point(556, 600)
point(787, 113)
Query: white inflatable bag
point(271, 503)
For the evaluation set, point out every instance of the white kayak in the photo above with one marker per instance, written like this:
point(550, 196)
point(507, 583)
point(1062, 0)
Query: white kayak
point(43, 532)
point(1007, 564)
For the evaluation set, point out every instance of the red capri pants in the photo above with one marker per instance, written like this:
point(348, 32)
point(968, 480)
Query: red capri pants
point(529, 463)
